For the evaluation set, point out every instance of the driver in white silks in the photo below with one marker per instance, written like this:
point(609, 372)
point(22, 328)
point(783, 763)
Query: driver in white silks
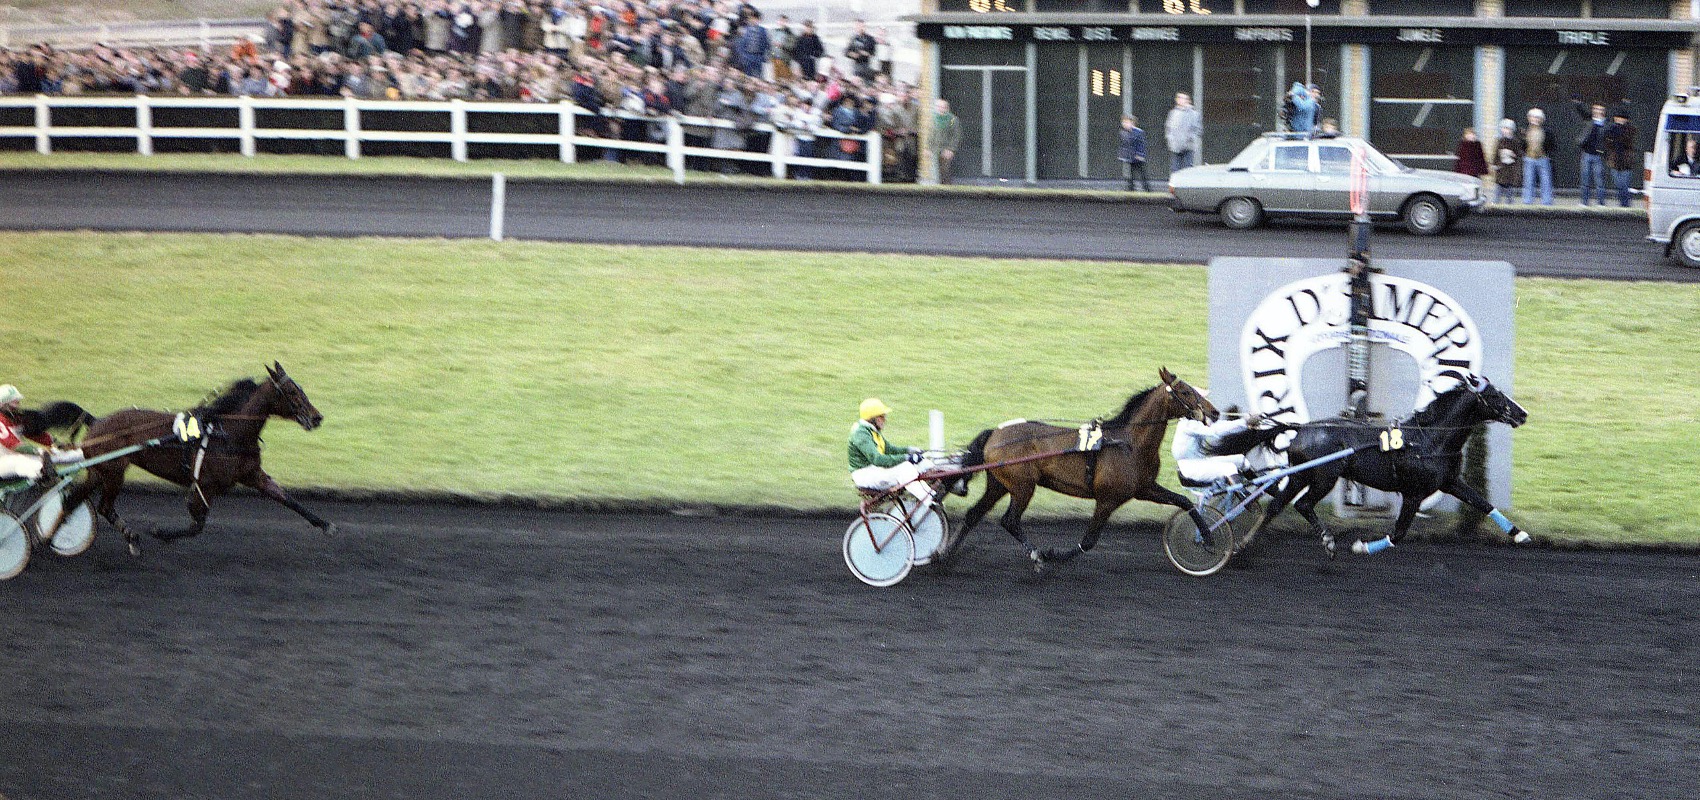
point(878, 465)
point(1205, 454)
point(21, 457)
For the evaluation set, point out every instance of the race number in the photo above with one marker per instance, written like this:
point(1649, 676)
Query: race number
point(1392, 439)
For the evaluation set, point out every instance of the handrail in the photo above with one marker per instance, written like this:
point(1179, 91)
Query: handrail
point(780, 154)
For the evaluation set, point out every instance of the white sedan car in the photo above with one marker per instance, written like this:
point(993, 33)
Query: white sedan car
point(1298, 176)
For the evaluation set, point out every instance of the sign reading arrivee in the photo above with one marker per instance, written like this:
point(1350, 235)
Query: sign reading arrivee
point(1279, 328)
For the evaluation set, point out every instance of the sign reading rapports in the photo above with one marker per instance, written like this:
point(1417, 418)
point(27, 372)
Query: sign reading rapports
point(1214, 34)
point(1279, 328)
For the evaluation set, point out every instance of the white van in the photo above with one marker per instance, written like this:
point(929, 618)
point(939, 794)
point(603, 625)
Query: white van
point(1671, 174)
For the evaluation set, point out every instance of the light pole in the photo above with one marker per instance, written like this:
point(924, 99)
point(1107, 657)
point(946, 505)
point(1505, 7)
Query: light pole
point(1311, 4)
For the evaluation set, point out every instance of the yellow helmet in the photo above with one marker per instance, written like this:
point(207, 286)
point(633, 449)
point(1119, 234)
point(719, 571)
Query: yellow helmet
point(872, 407)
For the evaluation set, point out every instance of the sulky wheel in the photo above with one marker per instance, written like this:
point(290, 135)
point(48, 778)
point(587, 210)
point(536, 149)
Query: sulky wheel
point(878, 549)
point(1194, 552)
point(14, 546)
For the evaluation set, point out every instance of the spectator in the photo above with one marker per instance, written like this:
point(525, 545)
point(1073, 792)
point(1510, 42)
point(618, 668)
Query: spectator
point(1471, 160)
point(1301, 108)
point(783, 39)
point(1537, 158)
point(437, 24)
point(753, 46)
point(365, 44)
point(947, 136)
point(1622, 156)
point(860, 51)
point(1507, 162)
point(896, 124)
point(1132, 152)
point(1590, 143)
point(808, 51)
point(1184, 131)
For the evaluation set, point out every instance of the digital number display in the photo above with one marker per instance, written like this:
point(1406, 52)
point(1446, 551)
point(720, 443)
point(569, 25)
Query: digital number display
point(991, 6)
point(1185, 7)
point(1106, 82)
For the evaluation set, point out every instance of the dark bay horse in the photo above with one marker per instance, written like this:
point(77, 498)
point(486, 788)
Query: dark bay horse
point(1420, 455)
point(1125, 469)
point(227, 453)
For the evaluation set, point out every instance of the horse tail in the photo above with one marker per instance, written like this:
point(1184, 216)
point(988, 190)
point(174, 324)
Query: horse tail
point(976, 454)
point(1242, 442)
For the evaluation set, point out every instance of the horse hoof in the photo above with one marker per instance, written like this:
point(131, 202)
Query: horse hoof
point(135, 550)
point(330, 529)
point(1522, 537)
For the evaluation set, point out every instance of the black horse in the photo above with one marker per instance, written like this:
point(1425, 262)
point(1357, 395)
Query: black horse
point(1416, 457)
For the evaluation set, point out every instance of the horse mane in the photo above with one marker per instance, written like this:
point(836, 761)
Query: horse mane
point(230, 400)
point(1125, 416)
point(1430, 414)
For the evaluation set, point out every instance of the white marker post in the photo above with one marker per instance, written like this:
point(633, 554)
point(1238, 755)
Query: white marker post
point(498, 204)
point(935, 430)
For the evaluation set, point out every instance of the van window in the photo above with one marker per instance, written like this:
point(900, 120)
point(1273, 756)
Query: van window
point(1683, 131)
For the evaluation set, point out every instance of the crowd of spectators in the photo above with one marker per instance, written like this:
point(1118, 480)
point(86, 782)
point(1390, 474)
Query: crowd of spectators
point(652, 59)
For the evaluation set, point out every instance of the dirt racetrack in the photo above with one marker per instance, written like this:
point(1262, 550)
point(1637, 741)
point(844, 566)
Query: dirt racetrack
point(435, 651)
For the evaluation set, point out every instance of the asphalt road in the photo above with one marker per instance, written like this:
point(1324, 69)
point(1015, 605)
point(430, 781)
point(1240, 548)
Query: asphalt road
point(1564, 244)
point(463, 652)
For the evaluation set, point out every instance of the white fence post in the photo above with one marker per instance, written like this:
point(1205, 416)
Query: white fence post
point(457, 129)
point(206, 36)
point(144, 126)
point(935, 430)
point(498, 205)
point(43, 122)
point(351, 128)
point(245, 119)
point(676, 149)
point(876, 157)
point(569, 132)
point(778, 149)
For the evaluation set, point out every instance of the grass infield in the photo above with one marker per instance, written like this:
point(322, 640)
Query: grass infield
point(685, 377)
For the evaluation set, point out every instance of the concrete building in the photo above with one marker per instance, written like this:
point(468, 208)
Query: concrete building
point(1040, 85)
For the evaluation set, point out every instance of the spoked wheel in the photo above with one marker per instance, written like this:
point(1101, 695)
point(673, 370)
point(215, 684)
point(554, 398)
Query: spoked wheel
point(14, 545)
point(879, 550)
point(930, 527)
point(1194, 552)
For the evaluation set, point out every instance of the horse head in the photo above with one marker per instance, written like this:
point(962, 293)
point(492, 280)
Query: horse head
point(292, 401)
point(1495, 405)
point(1184, 400)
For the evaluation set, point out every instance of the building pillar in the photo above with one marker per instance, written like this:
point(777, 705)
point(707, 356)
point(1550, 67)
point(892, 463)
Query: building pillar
point(1355, 90)
point(927, 168)
point(1490, 91)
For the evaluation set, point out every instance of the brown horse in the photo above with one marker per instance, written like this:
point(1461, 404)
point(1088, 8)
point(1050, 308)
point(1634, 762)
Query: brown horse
point(226, 454)
point(1125, 469)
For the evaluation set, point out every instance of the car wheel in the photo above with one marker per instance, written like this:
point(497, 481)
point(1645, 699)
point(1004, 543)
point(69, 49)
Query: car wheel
point(1426, 216)
point(1240, 213)
point(1688, 244)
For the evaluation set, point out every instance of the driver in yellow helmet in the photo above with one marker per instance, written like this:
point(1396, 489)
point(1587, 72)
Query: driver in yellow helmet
point(878, 465)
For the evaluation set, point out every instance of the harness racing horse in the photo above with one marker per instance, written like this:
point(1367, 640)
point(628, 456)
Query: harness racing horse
point(1415, 458)
point(1125, 469)
point(226, 454)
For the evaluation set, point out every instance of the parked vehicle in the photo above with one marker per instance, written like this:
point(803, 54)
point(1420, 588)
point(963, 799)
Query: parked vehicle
point(1671, 177)
point(1284, 174)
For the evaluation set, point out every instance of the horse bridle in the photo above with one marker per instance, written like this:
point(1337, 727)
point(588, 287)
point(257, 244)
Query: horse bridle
point(297, 399)
point(1194, 410)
